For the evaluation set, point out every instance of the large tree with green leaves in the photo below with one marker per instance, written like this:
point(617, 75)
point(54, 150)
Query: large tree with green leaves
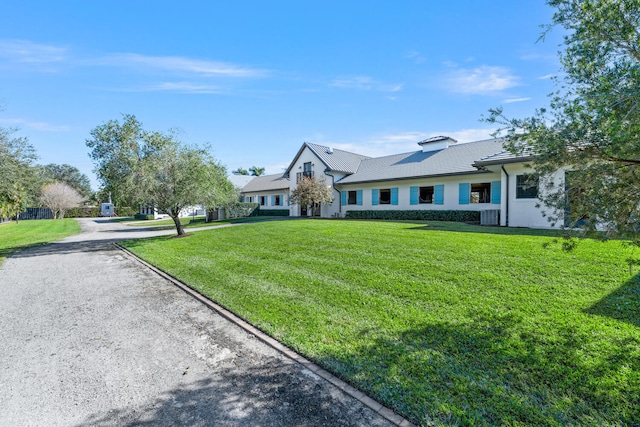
point(19, 180)
point(69, 175)
point(160, 170)
point(592, 125)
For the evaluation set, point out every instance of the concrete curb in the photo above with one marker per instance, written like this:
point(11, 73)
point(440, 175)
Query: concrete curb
point(374, 405)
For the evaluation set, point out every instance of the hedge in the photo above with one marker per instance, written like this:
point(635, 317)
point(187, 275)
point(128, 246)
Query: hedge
point(428, 215)
point(273, 212)
point(143, 216)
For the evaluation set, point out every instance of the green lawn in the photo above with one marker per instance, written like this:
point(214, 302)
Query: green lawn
point(447, 324)
point(15, 236)
point(198, 221)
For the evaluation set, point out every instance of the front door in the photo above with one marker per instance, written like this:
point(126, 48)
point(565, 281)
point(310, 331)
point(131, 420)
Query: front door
point(303, 211)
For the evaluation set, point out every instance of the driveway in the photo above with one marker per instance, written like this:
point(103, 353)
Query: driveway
point(89, 336)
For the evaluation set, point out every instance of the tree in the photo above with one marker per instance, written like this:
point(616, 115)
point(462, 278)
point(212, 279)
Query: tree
point(162, 171)
point(256, 171)
point(116, 150)
point(60, 197)
point(18, 177)
point(311, 192)
point(592, 125)
point(69, 175)
point(240, 171)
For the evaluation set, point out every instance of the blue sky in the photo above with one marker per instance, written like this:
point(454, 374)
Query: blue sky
point(256, 79)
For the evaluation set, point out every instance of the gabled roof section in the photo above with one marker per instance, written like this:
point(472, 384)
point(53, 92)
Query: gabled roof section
point(267, 183)
point(334, 159)
point(502, 157)
point(454, 160)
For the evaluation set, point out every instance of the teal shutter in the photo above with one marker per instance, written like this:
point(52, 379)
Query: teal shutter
point(273, 200)
point(414, 192)
point(465, 192)
point(288, 201)
point(394, 196)
point(438, 194)
point(344, 198)
point(359, 197)
point(374, 196)
point(495, 192)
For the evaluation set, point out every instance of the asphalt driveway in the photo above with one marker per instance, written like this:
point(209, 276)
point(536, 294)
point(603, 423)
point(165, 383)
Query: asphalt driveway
point(89, 336)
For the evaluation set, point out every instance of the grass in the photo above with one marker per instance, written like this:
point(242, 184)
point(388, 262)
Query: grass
point(15, 236)
point(448, 324)
point(198, 221)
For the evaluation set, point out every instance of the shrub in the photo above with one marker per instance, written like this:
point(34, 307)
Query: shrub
point(83, 212)
point(241, 210)
point(273, 212)
point(143, 216)
point(428, 215)
point(126, 211)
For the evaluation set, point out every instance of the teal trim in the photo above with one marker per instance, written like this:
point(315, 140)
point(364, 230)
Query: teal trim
point(375, 196)
point(344, 197)
point(464, 189)
point(414, 193)
point(359, 197)
point(495, 192)
point(438, 194)
point(288, 201)
point(394, 196)
point(273, 200)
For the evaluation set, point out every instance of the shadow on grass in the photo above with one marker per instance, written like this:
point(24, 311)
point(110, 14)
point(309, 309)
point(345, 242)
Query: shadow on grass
point(497, 370)
point(270, 394)
point(622, 304)
point(485, 229)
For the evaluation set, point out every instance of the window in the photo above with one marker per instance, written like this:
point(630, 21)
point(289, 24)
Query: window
point(263, 200)
point(480, 193)
point(277, 201)
point(526, 186)
point(385, 196)
point(352, 197)
point(426, 195)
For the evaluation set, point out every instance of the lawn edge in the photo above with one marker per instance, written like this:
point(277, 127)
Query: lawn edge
point(291, 354)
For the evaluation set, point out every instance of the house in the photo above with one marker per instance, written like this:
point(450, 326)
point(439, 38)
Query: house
point(442, 175)
point(269, 191)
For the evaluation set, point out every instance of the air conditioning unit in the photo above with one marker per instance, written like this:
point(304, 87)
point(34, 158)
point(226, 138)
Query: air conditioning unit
point(490, 217)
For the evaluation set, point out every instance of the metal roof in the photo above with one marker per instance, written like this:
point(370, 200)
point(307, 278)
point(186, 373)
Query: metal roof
point(334, 159)
point(267, 183)
point(501, 157)
point(453, 160)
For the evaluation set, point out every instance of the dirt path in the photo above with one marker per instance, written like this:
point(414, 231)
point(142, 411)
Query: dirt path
point(88, 336)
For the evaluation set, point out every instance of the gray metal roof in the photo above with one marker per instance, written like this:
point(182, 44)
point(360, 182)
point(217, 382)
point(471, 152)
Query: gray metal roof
point(453, 160)
point(267, 183)
point(334, 159)
point(501, 157)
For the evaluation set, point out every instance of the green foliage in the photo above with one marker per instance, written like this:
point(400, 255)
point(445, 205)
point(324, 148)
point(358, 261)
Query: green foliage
point(273, 212)
point(237, 209)
point(83, 212)
point(154, 168)
point(69, 175)
point(256, 171)
point(592, 125)
point(140, 216)
point(15, 236)
point(427, 215)
point(240, 171)
point(126, 211)
point(480, 326)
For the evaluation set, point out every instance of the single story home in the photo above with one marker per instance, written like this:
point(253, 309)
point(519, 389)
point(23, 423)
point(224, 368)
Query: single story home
point(442, 175)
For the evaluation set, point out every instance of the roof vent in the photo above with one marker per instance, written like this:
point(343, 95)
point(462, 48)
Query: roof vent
point(329, 150)
point(436, 143)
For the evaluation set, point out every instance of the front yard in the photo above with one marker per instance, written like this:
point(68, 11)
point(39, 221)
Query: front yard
point(446, 324)
point(19, 235)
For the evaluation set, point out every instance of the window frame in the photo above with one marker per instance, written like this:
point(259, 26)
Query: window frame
point(387, 192)
point(521, 182)
point(420, 198)
point(480, 186)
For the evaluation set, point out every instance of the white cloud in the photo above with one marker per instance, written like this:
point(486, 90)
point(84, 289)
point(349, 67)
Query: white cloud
point(365, 83)
point(482, 80)
point(181, 87)
point(546, 77)
point(24, 51)
point(177, 64)
point(39, 126)
point(512, 100)
point(416, 57)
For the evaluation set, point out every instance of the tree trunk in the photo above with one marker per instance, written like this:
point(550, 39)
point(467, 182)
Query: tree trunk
point(179, 228)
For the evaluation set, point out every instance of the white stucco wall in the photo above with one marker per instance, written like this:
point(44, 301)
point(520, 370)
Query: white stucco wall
point(451, 193)
point(284, 195)
point(318, 168)
point(523, 212)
